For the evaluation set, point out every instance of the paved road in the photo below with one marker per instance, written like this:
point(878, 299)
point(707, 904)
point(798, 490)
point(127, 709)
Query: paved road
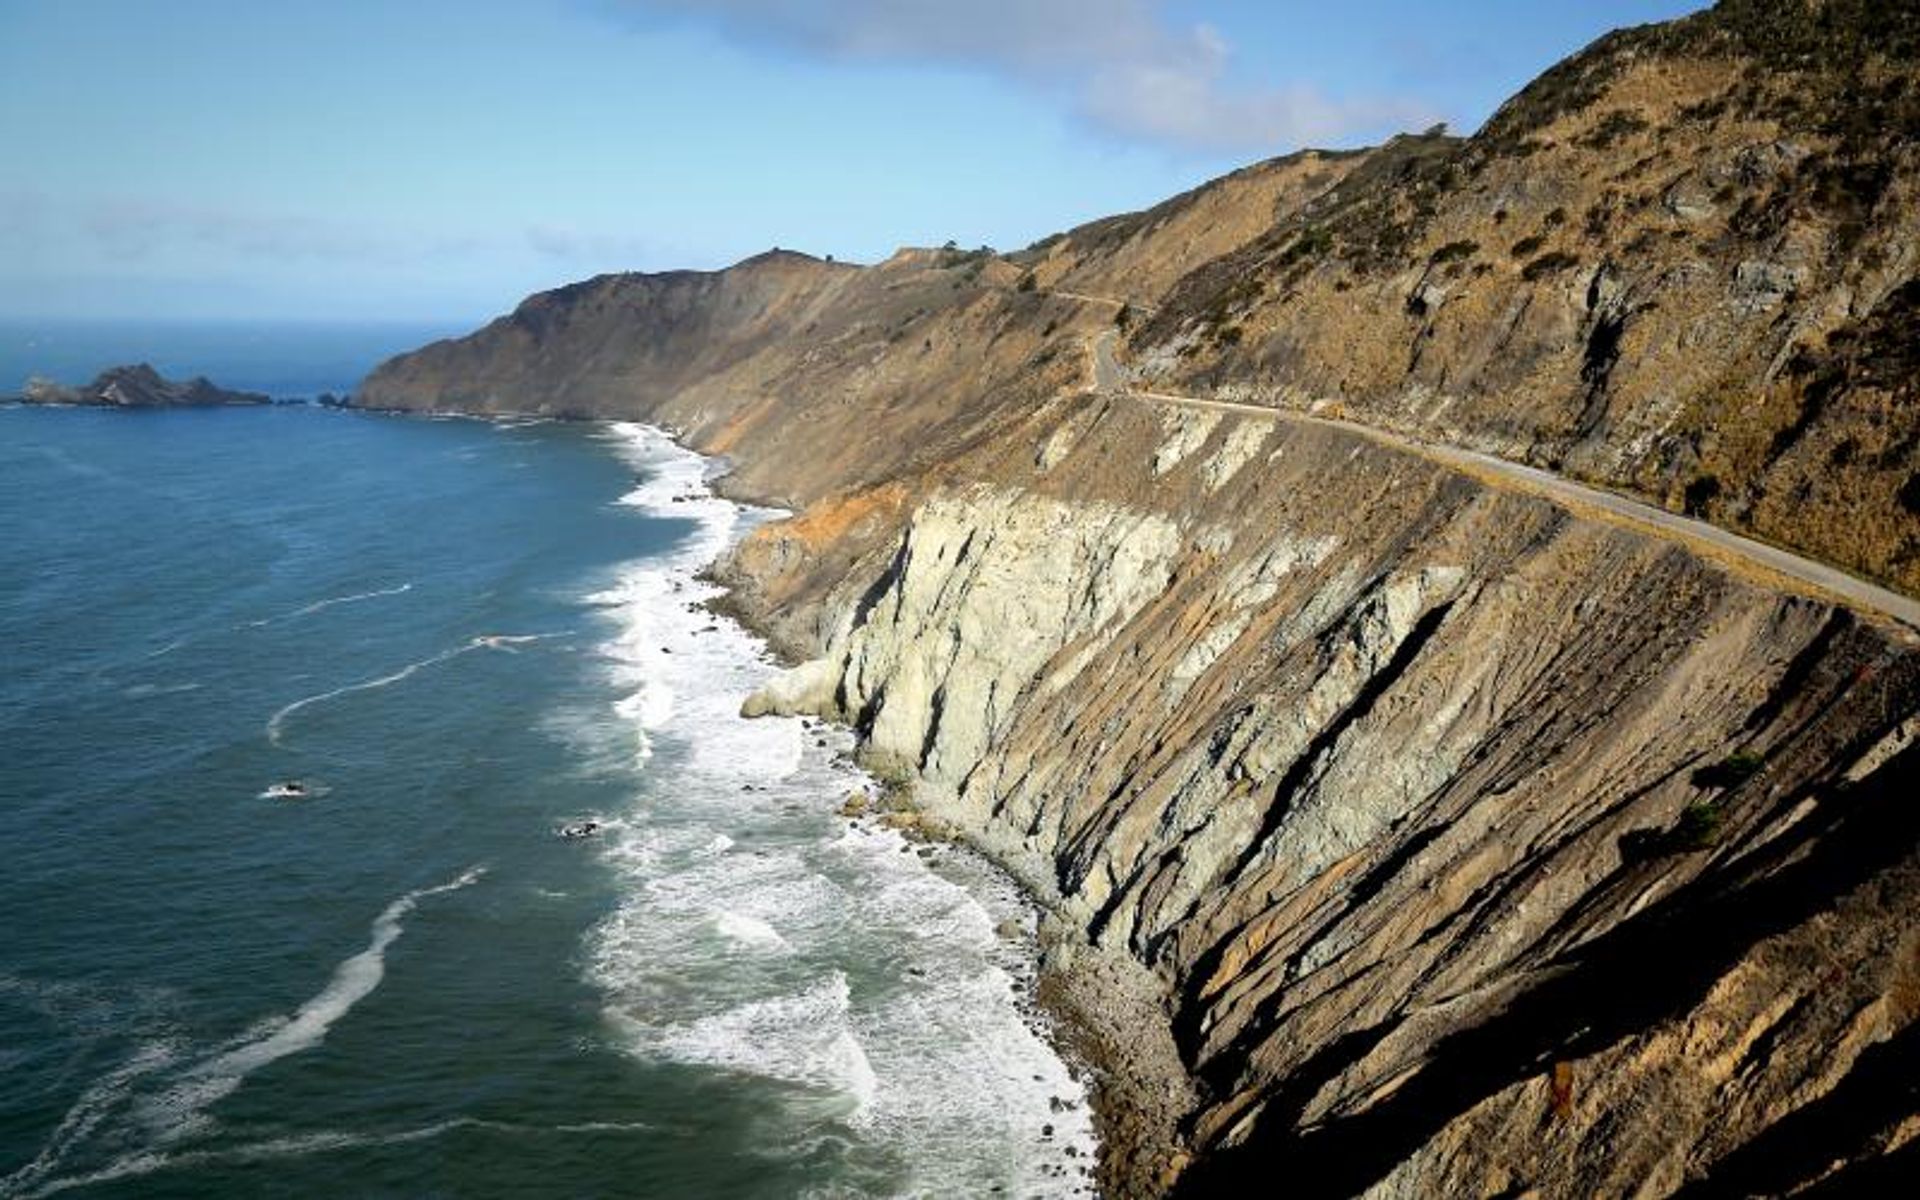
point(1696, 535)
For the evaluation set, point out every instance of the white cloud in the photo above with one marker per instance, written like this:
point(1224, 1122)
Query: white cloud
point(1117, 64)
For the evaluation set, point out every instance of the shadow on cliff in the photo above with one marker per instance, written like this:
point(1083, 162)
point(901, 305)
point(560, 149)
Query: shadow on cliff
point(1652, 967)
point(1882, 1089)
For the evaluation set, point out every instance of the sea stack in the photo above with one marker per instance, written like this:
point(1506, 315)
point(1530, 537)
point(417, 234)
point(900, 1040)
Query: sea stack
point(138, 386)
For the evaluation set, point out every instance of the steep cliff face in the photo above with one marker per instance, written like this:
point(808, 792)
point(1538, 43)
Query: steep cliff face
point(1475, 842)
point(815, 376)
point(590, 348)
point(1467, 843)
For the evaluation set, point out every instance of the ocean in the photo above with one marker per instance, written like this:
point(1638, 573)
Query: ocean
point(463, 639)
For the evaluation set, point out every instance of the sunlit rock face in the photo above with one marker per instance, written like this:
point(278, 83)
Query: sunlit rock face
point(1474, 844)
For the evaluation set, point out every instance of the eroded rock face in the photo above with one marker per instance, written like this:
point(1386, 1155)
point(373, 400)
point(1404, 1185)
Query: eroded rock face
point(1371, 764)
point(988, 587)
point(1476, 847)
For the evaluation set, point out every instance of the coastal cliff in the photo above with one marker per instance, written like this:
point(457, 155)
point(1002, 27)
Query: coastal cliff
point(1405, 828)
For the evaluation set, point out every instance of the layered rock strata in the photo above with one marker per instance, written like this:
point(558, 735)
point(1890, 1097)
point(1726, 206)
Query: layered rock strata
point(1407, 835)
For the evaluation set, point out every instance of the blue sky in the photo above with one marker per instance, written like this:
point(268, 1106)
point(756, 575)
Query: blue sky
point(438, 159)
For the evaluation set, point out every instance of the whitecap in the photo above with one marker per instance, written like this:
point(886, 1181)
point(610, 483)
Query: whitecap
point(147, 691)
point(750, 931)
point(800, 1038)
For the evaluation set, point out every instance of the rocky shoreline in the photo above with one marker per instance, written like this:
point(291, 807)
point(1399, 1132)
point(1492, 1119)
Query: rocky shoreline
point(1476, 843)
point(1108, 1014)
point(138, 386)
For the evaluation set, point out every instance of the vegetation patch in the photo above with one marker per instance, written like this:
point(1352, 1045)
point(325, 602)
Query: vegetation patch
point(975, 259)
point(1731, 771)
point(1553, 262)
point(1700, 494)
point(1612, 129)
point(1699, 826)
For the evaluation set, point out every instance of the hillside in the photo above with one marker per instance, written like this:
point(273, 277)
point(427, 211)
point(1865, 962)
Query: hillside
point(1681, 263)
point(1402, 830)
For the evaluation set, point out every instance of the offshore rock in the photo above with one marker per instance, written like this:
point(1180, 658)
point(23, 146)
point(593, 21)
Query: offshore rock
point(138, 386)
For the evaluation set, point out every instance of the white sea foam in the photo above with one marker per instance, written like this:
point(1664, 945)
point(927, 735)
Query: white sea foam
point(188, 1082)
point(147, 691)
point(802, 1038)
point(150, 1162)
point(169, 648)
point(96, 1104)
point(751, 931)
point(763, 937)
point(276, 724)
point(330, 602)
point(179, 1109)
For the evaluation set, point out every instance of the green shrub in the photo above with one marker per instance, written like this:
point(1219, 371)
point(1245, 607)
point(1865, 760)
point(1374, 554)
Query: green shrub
point(1527, 246)
point(1551, 263)
point(1731, 771)
point(1456, 251)
point(1313, 242)
point(1699, 826)
point(1612, 128)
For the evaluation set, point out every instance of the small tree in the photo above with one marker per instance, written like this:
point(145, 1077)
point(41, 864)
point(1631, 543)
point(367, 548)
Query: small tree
point(1124, 317)
point(1699, 826)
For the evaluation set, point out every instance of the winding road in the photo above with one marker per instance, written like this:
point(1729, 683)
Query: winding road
point(1709, 540)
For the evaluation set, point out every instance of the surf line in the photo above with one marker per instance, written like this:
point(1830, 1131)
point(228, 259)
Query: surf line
point(276, 724)
point(318, 605)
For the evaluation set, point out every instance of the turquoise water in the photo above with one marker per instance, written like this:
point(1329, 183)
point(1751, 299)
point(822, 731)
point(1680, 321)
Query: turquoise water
point(463, 637)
